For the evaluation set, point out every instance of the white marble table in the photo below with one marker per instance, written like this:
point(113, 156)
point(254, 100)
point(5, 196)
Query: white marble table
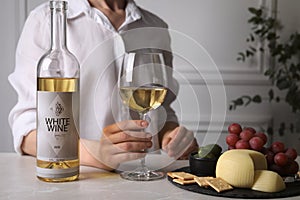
point(18, 181)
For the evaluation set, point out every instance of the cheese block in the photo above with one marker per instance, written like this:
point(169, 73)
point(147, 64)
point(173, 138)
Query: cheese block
point(267, 181)
point(237, 166)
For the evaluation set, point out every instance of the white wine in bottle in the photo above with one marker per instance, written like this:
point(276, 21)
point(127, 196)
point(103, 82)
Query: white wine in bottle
point(58, 105)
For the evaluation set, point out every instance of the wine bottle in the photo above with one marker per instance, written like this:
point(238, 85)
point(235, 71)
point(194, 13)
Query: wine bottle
point(58, 105)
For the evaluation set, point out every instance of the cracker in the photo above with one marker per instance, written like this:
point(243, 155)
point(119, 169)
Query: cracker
point(201, 181)
point(171, 174)
point(184, 182)
point(183, 175)
point(219, 184)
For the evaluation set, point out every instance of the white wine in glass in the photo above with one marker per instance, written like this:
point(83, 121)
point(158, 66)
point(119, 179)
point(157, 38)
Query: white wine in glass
point(143, 87)
point(144, 98)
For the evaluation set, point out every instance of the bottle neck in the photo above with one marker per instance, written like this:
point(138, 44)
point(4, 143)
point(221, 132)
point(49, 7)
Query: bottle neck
point(58, 29)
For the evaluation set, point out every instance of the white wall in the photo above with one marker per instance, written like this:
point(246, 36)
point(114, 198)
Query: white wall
point(218, 26)
point(10, 22)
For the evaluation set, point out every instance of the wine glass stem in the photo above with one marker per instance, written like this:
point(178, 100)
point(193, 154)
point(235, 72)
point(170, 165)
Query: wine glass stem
point(143, 116)
point(143, 163)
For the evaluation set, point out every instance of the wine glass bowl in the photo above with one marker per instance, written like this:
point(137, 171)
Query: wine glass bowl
point(142, 87)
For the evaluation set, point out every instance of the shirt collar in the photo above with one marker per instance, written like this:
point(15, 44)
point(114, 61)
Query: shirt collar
point(77, 7)
point(132, 11)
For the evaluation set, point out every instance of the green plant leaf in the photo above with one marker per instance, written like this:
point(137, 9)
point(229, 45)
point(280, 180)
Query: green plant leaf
point(258, 32)
point(271, 36)
point(252, 10)
point(281, 129)
point(241, 57)
point(269, 72)
point(239, 102)
point(283, 84)
point(253, 49)
point(257, 99)
point(249, 53)
point(271, 95)
point(255, 11)
point(261, 49)
point(270, 131)
point(252, 38)
point(259, 12)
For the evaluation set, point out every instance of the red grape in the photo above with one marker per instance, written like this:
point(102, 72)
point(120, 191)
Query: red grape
point(250, 129)
point(291, 153)
point(234, 128)
point(277, 147)
point(278, 169)
point(262, 136)
point(280, 159)
point(231, 139)
point(246, 135)
point(292, 168)
point(264, 150)
point(231, 147)
point(241, 144)
point(270, 157)
point(256, 143)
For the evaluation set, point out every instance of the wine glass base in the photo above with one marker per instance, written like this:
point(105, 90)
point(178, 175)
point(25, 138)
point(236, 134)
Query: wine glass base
point(142, 175)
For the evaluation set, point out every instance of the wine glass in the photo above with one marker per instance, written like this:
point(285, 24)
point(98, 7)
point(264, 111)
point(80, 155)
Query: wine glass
point(143, 87)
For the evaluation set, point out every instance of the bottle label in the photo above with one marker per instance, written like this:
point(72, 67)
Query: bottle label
point(57, 135)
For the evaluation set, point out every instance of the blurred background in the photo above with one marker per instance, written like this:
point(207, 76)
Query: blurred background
point(219, 29)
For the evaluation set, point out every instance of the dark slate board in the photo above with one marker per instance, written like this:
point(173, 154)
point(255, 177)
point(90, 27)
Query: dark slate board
point(292, 189)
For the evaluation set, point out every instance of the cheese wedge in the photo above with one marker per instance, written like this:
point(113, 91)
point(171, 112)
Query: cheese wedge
point(267, 181)
point(237, 167)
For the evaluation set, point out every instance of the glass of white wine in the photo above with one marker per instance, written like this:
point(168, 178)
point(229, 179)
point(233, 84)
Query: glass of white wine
point(143, 87)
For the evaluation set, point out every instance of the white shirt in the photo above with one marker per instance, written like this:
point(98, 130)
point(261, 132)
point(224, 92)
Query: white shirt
point(98, 47)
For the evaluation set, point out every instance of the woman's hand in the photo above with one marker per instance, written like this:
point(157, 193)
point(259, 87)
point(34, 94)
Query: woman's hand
point(179, 143)
point(120, 142)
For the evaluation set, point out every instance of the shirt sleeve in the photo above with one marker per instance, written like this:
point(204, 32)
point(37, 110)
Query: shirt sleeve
point(31, 46)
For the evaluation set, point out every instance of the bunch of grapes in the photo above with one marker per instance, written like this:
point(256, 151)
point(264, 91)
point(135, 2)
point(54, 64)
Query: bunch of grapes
point(279, 158)
point(246, 138)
